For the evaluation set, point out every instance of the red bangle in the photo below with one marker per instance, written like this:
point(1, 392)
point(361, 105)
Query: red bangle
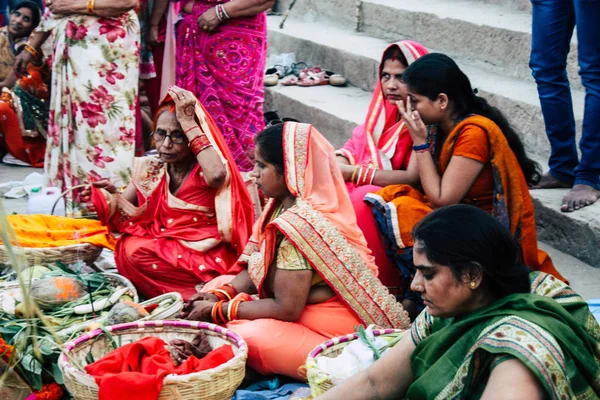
point(191, 129)
point(220, 295)
point(199, 143)
point(213, 312)
point(230, 289)
point(221, 314)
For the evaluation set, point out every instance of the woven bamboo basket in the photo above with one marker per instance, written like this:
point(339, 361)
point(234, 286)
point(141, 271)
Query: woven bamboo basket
point(115, 279)
point(169, 313)
point(317, 379)
point(217, 383)
point(85, 252)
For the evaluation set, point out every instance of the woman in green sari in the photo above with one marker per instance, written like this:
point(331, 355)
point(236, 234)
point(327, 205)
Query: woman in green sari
point(491, 328)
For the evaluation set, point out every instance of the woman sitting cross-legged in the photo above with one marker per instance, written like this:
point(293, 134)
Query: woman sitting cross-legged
point(379, 152)
point(470, 154)
point(307, 260)
point(23, 100)
point(186, 215)
point(491, 330)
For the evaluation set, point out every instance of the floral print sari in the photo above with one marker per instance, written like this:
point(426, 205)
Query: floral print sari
point(91, 127)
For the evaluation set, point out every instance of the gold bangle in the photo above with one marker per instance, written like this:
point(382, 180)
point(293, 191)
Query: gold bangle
point(90, 6)
point(28, 48)
point(354, 174)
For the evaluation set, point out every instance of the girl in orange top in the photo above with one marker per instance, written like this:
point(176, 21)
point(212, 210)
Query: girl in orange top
point(469, 155)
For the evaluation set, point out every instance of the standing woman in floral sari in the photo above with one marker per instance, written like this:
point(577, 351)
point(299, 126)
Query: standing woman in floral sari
point(307, 260)
point(95, 70)
point(221, 51)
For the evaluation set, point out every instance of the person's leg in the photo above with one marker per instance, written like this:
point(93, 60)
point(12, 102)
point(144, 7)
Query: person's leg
point(552, 28)
point(587, 174)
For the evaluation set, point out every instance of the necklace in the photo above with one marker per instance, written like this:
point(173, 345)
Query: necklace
point(181, 178)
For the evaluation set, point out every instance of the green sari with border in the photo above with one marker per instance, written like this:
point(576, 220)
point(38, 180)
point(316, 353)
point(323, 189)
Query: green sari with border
point(550, 330)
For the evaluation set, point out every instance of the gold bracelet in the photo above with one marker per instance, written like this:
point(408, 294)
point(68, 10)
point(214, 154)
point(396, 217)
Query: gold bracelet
point(354, 173)
point(90, 6)
point(28, 48)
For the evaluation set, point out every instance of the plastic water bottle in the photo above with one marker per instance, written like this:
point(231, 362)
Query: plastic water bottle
point(42, 200)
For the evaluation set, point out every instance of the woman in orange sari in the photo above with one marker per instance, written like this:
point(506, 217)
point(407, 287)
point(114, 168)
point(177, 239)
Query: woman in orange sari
point(470, 154)
point(307, 260)
point(186, 215)
point(383, 145)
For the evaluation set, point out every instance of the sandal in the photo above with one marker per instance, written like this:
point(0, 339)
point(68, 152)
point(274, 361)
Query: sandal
point(337, 80)
point(313, 77)
point(271, 80)
point(290, 80)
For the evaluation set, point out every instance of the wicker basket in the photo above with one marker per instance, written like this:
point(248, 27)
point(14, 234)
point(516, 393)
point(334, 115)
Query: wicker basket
point(169, 313)
point(317, 379)
point(71, 254)
point(115, 279)
point(217, 383)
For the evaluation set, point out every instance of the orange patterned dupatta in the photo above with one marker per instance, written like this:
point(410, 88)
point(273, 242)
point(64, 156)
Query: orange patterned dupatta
point(322, 226)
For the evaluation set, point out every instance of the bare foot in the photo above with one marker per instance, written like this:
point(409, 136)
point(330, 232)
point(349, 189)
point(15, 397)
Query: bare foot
point(578, 197)
point(549, 182)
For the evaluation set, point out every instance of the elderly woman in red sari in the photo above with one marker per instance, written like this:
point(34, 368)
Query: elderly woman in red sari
point(186, 215)
point(379, 152)
point(307, 260)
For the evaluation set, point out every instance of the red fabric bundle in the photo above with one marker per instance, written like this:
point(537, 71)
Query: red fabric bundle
point(137, 370)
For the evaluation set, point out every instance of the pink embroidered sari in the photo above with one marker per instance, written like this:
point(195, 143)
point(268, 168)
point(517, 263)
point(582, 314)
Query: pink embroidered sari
point(225, 69)
point(382, 141)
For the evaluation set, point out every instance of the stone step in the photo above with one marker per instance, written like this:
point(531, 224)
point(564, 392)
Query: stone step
point(357, 56)
point(336, 111)
point(495, 36)
point(519, 5)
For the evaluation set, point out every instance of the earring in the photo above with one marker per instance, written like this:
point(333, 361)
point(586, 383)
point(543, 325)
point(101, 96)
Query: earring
point(472, 284)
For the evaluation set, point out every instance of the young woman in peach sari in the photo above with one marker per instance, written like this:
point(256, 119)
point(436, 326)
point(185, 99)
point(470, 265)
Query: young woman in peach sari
point(307, 260)
point(383, 146)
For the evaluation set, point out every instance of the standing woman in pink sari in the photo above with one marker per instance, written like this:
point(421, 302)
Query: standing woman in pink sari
point(221, 51)
point(379, 152)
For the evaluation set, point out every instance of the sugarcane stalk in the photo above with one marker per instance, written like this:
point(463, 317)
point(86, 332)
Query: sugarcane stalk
point(287, 13)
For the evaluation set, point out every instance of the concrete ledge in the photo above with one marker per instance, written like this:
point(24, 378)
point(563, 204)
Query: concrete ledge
point(357, 57)
point(334, 111)
point(576, 233)
point(496, 36)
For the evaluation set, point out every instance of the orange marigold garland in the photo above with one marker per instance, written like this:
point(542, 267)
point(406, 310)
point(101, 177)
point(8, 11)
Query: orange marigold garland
point(50, 391)
point(5, 350)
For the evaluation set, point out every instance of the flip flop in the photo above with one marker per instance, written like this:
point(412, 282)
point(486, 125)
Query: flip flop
point(313, 77)
point(337, 80)
point(290, 80)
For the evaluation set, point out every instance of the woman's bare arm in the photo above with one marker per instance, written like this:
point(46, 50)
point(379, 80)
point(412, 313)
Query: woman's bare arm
point(452, 187)
point(290, 292)
point(247, 8)
point(511, 379)
point(102, 8)
point(388, 378)
point(410, 176)
point(243, 284)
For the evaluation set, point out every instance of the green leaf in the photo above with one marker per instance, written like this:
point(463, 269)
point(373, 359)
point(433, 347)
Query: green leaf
point(31, 364)
point(57, 374)
point(35, 380)
point(46, 347)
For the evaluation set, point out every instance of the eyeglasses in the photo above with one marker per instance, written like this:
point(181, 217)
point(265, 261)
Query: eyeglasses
point(176, 137)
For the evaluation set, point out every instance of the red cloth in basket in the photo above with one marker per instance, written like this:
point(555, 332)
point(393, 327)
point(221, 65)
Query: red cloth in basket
point(136, 371)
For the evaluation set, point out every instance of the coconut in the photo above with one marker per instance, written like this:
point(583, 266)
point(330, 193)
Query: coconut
point(56, 291)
